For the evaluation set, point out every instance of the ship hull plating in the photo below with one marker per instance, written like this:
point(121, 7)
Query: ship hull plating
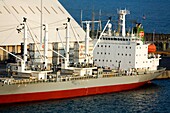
point(13, 98)
point(73, 88)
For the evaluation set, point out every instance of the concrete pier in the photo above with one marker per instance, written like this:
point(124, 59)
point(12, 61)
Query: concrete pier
point(165, 75)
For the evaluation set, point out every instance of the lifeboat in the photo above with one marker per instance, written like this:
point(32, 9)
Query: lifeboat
point(151, 48)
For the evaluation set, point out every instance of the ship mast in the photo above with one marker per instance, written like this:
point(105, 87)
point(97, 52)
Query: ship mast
point(67, 42)
point(23, 64)
point(46, 46)
point(87, 38)
point(122, 19)
point(41, 25)
point(24, 60)
point(87, 41)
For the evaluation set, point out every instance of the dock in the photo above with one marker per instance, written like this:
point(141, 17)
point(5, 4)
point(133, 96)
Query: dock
point(165, 75)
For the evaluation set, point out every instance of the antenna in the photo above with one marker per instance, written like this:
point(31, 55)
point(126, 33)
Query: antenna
point(81, 17)
point(41, 25)
point(93, 18)
point(153, 35)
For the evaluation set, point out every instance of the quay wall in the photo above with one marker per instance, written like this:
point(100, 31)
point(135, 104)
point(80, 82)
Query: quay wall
point(165, 75)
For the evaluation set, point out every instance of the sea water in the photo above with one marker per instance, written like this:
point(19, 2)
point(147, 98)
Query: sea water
point(153, 14)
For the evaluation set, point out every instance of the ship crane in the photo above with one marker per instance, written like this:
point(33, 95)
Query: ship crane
point(24, 60)
point(102, 33)
point(25, 45)
point(46, 46)
point(87, 38)
point(66, 62)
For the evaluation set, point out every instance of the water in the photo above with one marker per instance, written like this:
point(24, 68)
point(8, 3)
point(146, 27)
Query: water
point(151, 98)
point(165, 62)
point(156, 12)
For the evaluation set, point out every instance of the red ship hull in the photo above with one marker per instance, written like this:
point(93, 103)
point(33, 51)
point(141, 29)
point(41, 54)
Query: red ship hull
point(4, 99)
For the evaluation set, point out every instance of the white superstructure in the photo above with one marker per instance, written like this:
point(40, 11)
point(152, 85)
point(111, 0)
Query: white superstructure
point(124, 52)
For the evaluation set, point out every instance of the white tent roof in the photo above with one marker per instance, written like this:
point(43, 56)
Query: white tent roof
point(53, 13)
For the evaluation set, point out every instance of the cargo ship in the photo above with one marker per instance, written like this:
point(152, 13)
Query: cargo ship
point(36, 80)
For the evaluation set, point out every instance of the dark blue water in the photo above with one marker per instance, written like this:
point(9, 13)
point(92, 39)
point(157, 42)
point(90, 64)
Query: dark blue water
point(151, 98)
point(165, 62)
point(156, 12)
